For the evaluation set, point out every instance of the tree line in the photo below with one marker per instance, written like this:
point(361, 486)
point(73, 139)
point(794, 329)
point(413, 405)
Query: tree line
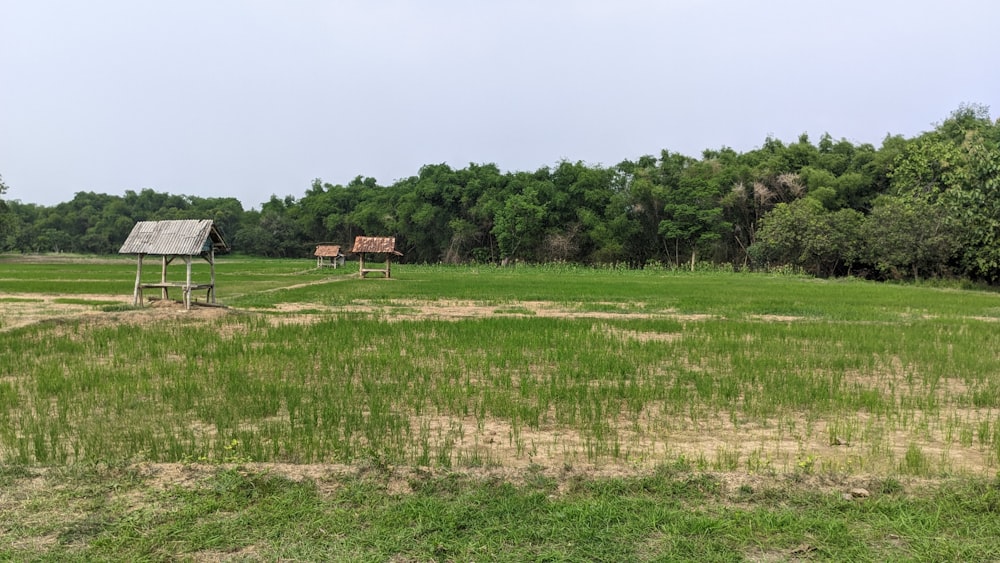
point(916, 207)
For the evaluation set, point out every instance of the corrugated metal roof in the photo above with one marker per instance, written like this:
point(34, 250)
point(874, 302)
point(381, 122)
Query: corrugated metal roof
point(382, 245)
point(332, 250)
point(183, 237)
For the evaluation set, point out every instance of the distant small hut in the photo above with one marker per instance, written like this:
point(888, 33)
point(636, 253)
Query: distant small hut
point(376, 245)
point(328, 255)
point(169, 240)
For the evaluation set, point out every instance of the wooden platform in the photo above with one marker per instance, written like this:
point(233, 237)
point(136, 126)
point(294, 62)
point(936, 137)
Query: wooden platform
point(186, 290)
point(384, 271)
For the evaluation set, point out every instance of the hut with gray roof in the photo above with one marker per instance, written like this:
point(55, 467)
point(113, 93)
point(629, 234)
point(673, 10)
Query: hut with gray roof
point(174, 239)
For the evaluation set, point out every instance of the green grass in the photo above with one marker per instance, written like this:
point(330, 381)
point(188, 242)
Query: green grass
point(669, 377)
point(344, 384)
point(850, 365)
point(86, 513)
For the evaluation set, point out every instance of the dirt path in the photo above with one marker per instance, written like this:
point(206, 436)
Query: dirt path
point(307, 284)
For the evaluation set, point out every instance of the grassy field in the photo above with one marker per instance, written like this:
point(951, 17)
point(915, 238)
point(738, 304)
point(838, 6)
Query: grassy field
point(528, 413)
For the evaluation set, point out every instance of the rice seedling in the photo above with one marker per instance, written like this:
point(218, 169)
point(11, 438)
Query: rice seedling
point(447, 366)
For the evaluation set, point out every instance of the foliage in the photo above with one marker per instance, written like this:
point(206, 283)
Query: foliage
point(975, 207)
point(94, 223)
point(807, 235)
point(909, 235)
point(6, 218)
point(657, 209)
point(517, 223)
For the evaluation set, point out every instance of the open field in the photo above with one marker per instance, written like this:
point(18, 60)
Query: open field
point(774, 395)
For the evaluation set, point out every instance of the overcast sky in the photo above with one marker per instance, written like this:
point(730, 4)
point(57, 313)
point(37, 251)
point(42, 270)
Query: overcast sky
point(252, 98)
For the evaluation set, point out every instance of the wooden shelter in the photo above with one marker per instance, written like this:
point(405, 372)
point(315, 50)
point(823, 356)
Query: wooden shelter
point(331, 252)
point(170, 240)
point(376, 245)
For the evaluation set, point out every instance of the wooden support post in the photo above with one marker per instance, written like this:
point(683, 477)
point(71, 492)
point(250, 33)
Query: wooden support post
point(137, 293)
point(361, 259)
point(163, 277)
point(387, 259)
point(187, 284)
point(211, 288)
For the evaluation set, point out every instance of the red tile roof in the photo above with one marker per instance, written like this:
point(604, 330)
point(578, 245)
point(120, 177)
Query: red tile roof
point(378, 245)
point(327, 250)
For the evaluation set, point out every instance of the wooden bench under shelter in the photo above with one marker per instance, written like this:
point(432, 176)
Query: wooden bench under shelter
point(169, 240)
point(331, 252)
point(376, 245)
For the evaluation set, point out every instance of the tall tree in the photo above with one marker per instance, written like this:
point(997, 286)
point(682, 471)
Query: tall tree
point(805, 234)
point(908, 236)
point(7, 220)
point(975, 207)
point(517, 224)
point(693, 214)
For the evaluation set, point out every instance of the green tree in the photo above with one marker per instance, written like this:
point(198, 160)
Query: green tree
point(610, 225)
point(927, 167)
point(252, 238)
point(581, 193)
point(747, 203)
point(273, 231)
point(517, 224)
point(644, 212)
point(975, 208)
point(693, 212)
point(7, 220)
point(908, 235)
point(472, 228)
point(426, 207)
point(957, 165)
point(805, 234)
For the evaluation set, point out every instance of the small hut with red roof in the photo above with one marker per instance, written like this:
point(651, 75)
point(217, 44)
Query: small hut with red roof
point(376, 245)
point(328, 255)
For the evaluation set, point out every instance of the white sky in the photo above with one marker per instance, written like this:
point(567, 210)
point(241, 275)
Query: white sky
point(248, 98)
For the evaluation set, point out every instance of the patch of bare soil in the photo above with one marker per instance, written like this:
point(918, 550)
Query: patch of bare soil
point(775, 318)
point(57, 259)
point(639, 336)
point(458, 310)
point(639, 443)
point(24, 309)
point(398, 480)
point(763, 457)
